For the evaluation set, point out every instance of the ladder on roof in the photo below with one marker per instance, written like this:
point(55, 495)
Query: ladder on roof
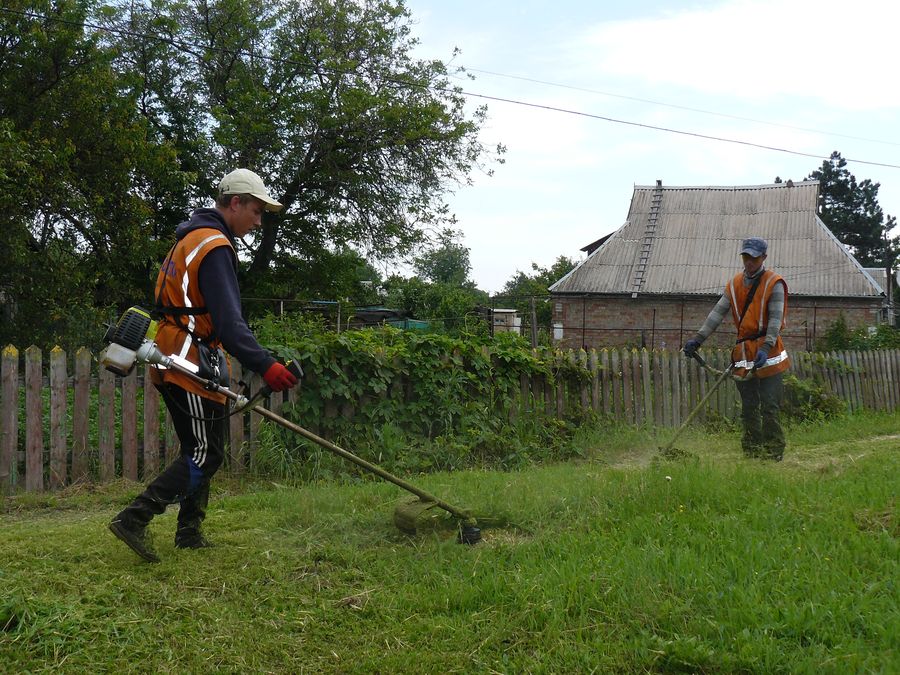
point(647, 243)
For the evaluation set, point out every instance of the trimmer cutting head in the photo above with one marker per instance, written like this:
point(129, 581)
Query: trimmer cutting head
point(420, 516)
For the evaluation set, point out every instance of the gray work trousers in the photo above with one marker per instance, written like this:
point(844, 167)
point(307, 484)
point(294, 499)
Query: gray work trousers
point(761, 401)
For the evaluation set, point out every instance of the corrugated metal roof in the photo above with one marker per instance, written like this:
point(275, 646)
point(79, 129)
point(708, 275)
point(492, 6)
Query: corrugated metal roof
point(692, 248)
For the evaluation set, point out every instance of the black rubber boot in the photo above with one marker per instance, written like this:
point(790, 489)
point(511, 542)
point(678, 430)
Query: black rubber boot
point(190, 518)
point(191, 539)
point(135, 536)
point(131, 524)
point(166, 489)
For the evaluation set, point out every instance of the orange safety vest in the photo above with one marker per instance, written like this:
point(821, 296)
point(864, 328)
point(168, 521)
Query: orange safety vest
point(178, 285)
point(751, 329)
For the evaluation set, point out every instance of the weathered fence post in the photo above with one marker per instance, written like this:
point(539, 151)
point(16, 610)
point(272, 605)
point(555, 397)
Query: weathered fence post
point(9, 418)
point(561, 360)
point(855, 360)
point(276, 402)
point(659, 394)
point(58, 401)
point(606, 375)
point(887, 369)
point(627, 398)
point(236, 425)
point(80, 415)
point(129, 426)
point(584, 382)
point(647, 385)
point(106, 424)
point(34, 421)
point(615, 382)
point(893, 368)
point(668, 407)
point(253, 383)
point(676, 365)
point(151, 427)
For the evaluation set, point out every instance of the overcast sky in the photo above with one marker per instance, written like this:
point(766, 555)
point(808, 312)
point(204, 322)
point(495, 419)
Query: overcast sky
point(805, 77)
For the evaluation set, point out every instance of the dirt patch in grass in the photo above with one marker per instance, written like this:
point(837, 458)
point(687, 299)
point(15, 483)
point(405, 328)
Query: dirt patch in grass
point(881, 520)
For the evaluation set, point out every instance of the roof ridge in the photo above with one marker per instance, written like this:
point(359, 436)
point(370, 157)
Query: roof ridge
point(796, 183)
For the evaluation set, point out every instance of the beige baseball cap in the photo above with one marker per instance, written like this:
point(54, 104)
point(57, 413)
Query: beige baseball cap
point(245, 182)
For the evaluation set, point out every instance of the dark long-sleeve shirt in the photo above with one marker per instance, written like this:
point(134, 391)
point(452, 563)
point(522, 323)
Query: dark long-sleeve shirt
point(222, 296)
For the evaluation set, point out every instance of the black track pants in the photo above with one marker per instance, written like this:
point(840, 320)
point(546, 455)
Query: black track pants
point(200, 424)
point(761, 402)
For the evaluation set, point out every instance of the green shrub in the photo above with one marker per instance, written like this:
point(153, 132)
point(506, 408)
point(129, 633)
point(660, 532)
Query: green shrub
point(413, 401)
point(806, 400)
point(839, 336)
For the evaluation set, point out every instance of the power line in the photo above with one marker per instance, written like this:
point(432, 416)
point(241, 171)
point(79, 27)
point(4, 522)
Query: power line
point(458, 91)
point(720, 139)
point(678, 107)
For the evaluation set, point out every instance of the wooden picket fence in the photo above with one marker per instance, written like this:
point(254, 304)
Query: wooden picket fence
point(64, 428)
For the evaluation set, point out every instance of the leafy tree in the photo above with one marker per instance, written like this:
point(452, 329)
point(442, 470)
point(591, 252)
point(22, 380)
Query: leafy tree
point(323, 98)
point(118, 117)
point(447, 263)
point(442, 291)
point(342, 275)
point(452, 308)
point(74, 159)
point(519, 290)
point(852, 213)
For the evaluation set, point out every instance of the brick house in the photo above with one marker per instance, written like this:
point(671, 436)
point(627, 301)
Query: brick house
point(652, 282)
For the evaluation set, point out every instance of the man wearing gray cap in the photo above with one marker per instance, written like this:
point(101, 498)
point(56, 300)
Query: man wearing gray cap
point(757, 300)
point(198, 297)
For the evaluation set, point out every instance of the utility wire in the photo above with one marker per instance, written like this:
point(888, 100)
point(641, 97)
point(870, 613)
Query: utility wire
point(675, 106)
point(720, 139)
point(457, 91)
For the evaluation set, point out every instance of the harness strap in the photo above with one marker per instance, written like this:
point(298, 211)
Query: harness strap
point(750, 337)
point(170, 310)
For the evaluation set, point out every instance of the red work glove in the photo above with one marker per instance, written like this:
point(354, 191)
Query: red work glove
point(279, 378)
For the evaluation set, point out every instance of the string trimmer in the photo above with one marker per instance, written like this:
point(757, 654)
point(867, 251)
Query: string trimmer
point(723, 375)
point(130, 340)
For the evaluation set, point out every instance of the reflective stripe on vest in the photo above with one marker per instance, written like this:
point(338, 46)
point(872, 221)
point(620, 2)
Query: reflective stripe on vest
point(774, 361)
point(186, 287)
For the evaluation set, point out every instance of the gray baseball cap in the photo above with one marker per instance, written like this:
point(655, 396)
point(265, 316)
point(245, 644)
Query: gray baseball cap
point(754, 246)
point(245, 182)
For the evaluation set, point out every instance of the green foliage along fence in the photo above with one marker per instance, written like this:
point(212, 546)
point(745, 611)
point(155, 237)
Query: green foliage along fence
point(59, 427)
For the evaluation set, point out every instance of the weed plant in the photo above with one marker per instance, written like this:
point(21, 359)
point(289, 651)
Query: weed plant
point(619, 561)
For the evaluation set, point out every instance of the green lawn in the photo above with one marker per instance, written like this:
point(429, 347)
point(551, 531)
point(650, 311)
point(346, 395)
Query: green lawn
point(621, 563)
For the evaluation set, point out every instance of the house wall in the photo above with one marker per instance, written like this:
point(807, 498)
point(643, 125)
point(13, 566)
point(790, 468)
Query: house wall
point(657, 322)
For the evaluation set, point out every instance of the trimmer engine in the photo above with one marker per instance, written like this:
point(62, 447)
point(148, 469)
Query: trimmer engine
point(125, 338)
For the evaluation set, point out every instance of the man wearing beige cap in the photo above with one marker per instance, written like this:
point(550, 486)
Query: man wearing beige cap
point(756, 298)
point(198, 297)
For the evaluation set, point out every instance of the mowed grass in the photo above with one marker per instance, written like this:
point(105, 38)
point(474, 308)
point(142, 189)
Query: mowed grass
point(618, 563)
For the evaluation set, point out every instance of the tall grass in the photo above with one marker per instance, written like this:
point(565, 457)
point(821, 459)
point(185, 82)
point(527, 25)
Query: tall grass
point(617, 563)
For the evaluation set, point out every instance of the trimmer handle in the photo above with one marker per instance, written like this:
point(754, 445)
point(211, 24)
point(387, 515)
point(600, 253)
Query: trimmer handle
point(696, 357)
point(699, 359)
